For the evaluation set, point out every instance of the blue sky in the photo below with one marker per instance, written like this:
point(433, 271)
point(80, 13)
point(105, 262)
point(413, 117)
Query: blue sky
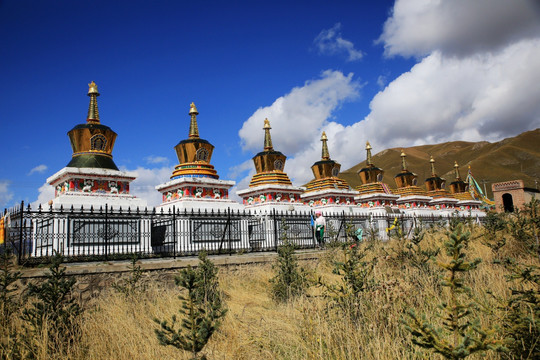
point(396, 74)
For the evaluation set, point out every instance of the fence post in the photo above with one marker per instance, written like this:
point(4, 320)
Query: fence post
point(174, 230)
point(21, 225)
point(106, 231)
point(229, 225)
point(275, 230)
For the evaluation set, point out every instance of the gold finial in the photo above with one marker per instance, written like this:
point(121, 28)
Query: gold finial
point(193, 127)
point(193, 109)
point(267, 138)
point(432, 162)
point(368, 154)
point(92, 88)
point(403, 162)
point(93, 112)
point(325, 152)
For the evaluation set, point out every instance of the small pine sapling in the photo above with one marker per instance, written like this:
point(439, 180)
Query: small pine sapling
point(356, 274)
point(522, 322)
point(419, 257)
point(54, 309)
point(202, 310)
point(133, 284)
point(9, 306)
point(207, 290)
point(461, 335)
point(8, 286)
point(290, 280)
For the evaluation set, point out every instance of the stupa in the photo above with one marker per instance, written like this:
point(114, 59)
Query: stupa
point(92, 178)
point(194, 183)
point(374, 195)
point(460, 190)
point(327, 191)
point(270, 187)
point(436, 188)
point(411, 197)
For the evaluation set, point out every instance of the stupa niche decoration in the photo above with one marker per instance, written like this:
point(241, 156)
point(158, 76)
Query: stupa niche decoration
point(435, 186)
point(412, 197)
point(194, 182)
point(373, 192)
point(92, 177)
point(327, 190)
point(270, 187)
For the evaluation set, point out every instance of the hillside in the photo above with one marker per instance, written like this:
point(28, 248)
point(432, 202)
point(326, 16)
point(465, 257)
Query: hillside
point(512, 158)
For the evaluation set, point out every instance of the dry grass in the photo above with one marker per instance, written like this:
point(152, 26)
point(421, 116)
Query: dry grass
point(116, 327)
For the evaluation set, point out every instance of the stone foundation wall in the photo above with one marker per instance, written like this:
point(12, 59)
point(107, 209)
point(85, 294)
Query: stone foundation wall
point(92, 278)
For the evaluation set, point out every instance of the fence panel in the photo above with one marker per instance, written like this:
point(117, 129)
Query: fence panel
point(106, 233)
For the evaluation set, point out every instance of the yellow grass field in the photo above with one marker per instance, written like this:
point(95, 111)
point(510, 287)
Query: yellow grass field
point(114, 326)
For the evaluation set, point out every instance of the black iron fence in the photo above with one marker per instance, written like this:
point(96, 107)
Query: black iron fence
point(107, 234)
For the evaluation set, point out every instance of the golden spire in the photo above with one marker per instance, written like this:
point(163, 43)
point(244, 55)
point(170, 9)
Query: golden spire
point(267, 138)
point(368, 156)
point(93, 113)
point(403, 162)
point(325, 153)
point(456, 170)
point(432, 162)
point(193, 128)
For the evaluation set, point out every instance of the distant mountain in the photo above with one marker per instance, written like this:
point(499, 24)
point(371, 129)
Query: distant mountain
point(509, 159)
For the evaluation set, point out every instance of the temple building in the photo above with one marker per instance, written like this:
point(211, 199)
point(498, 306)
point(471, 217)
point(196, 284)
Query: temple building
point(92, 178)
point(374, 195)
point(436, 188)
point(327, 191)
point(411, 197)
point(194, 182)
point(270, 187)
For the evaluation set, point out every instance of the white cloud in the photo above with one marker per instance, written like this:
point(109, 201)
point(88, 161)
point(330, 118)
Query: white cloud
point(458, 27)
point(486, 97)
point(330, 42)
point(297, 118)
point(38, 169)
point(156, 159)
point(46, 194)
point(5, 194)
point(144, 186)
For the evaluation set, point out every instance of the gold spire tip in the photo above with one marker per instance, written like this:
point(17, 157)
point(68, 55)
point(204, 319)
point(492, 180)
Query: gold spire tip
point(323, 136)
point(368, 146)
point(402, 153)
point(193, 109)
point(266, 124)
point(456, 164)
point(431, 160)
point(92, 89)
